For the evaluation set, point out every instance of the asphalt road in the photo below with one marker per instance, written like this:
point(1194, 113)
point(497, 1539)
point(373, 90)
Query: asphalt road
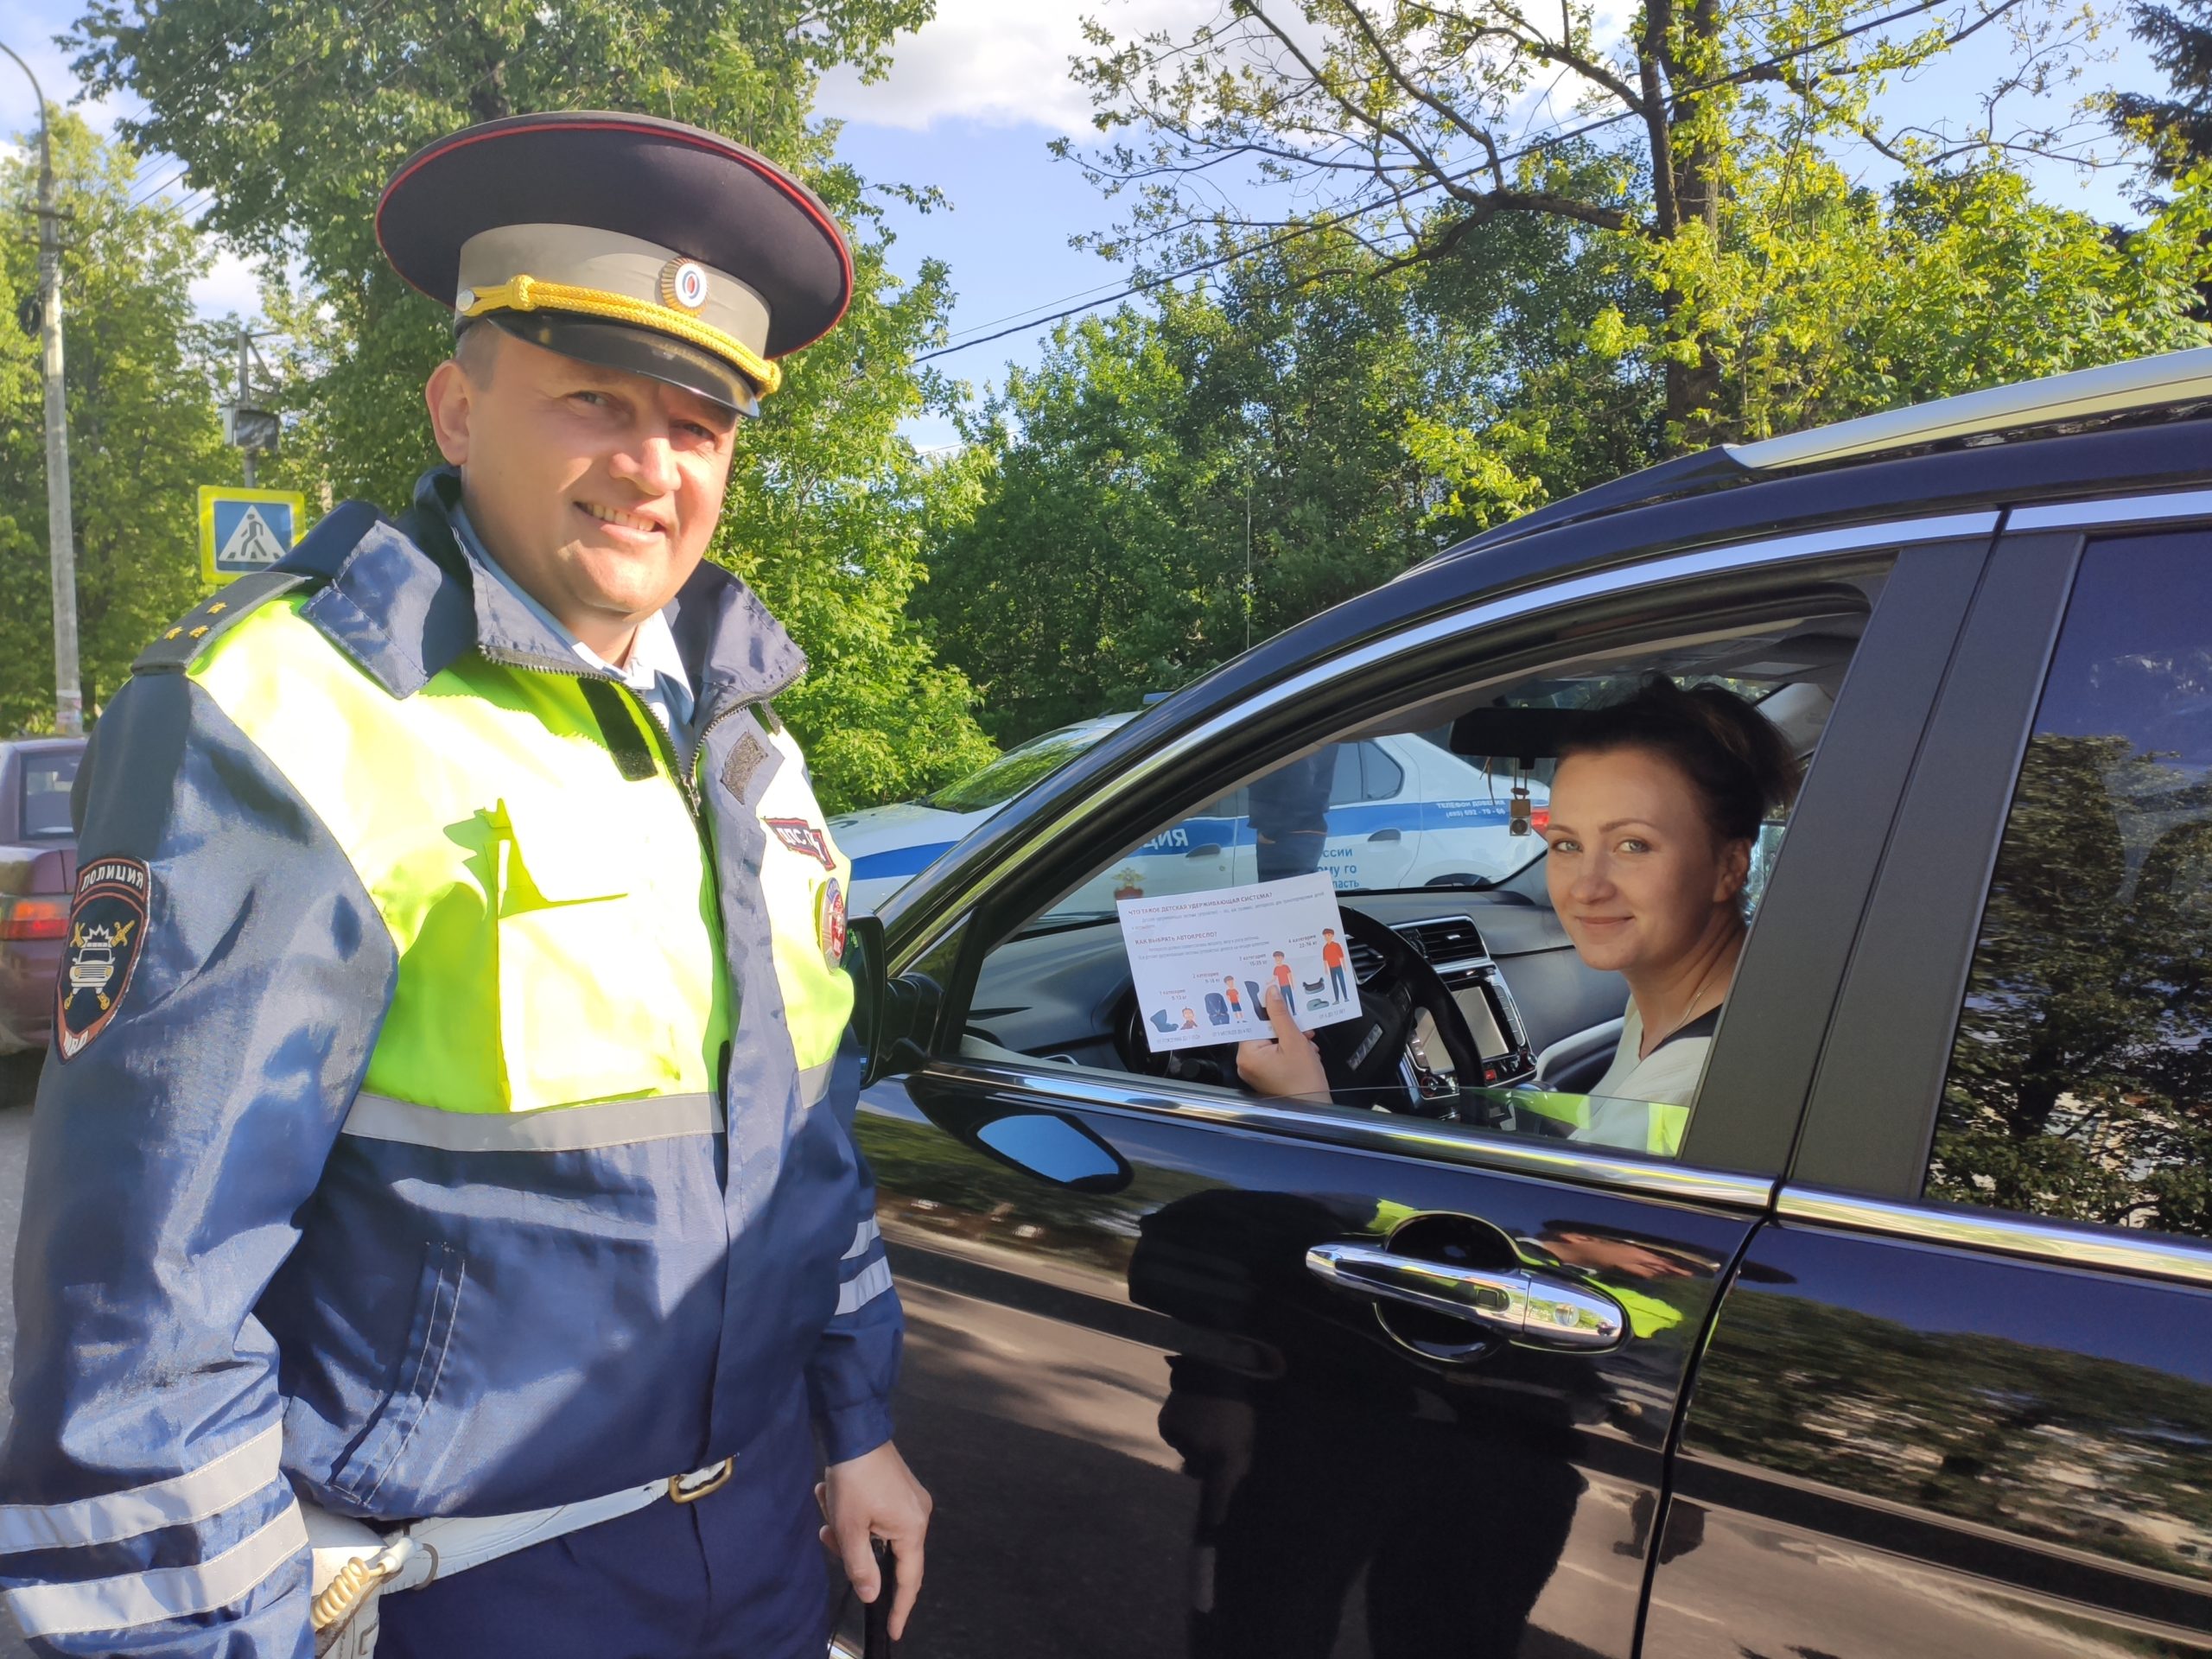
point(14, 1141)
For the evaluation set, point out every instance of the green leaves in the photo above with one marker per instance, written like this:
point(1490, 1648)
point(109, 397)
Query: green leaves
point(1163, 491)
point(143, 431)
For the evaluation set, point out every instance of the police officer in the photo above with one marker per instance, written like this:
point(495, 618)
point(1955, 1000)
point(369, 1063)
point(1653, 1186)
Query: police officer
point(445, 1160)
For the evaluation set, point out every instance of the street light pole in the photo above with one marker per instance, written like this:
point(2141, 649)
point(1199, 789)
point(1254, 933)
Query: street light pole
point(245, 389)
point(60, 532)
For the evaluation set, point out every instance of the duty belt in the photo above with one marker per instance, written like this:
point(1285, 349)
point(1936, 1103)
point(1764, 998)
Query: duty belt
point(355, 1563)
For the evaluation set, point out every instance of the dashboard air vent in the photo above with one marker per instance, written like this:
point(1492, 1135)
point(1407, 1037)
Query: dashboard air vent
point(1451, 938)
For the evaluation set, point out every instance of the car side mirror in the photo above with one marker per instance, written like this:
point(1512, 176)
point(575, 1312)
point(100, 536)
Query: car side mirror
point(890, 1017)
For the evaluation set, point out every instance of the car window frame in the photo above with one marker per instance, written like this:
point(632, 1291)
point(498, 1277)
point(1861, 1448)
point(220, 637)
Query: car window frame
point(1871, 1108)
point(1870, 1119)
point(19, 782)
point(1701, 585)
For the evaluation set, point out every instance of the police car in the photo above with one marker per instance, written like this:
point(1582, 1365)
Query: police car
point(1903, 1349)
point(1400, 809)
point(888, 845)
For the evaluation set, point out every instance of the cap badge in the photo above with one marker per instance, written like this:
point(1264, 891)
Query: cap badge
point(683, 283)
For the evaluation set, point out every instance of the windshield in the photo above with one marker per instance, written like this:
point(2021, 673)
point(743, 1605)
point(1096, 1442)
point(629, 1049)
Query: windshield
point(1019, 767)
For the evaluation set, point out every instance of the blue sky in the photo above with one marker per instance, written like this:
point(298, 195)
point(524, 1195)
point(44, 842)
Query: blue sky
point(972, 103)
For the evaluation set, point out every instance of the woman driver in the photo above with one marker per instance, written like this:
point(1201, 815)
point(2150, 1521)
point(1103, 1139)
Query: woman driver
point(1655, 806)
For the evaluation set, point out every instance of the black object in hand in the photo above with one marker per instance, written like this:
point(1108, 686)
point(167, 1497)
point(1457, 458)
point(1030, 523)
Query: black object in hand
point(875, 1641)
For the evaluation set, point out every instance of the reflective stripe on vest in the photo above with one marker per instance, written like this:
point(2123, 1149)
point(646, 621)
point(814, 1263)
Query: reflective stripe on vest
point(559, 945)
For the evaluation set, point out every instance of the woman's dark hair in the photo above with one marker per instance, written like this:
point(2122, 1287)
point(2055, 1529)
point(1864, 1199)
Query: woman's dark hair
point(1731, 754)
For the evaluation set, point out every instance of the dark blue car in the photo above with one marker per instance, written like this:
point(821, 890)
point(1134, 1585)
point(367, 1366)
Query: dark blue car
point(1898, 1346)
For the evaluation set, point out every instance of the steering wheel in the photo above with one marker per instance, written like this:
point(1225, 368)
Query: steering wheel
point(1361, 1056)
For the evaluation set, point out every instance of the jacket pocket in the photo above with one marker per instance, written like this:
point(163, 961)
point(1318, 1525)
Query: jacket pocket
point(393, 1430)
point(588, 1008)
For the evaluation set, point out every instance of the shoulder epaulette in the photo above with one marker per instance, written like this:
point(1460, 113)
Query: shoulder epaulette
point(179, 646)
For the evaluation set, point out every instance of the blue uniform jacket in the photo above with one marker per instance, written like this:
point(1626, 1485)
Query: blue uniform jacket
point(223, 1299)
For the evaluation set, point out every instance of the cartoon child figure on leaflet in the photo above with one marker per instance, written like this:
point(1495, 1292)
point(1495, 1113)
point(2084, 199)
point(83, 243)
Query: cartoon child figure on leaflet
point(1283, 979)
point(1332, 958)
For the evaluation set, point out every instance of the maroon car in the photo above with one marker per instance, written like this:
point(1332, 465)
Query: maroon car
point(38, 864)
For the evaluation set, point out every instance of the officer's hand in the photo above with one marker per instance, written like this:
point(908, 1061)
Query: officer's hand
point(1286, 1065)
point(876, 1496)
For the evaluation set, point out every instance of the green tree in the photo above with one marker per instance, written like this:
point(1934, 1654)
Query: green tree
point(1401, 122)
point(143, 431)
point(2178, 127)
point(825, 505)
point(1826, 301)
point(1164, 489)
point(1054, 569)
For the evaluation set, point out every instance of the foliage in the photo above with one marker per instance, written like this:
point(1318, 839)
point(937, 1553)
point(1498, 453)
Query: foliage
point(827, 523)
point(2178, 129)
point(143, 431)
point(1120, 492)
point(1402, 125)
point(1382, 414)
point(826, 508)
point(1833, 300)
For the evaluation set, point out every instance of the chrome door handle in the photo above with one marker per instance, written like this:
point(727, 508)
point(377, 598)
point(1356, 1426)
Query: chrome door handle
point(1523, 1305)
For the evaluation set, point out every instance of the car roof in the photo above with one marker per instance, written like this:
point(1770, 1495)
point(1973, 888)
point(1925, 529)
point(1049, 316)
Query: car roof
point(2149, 390)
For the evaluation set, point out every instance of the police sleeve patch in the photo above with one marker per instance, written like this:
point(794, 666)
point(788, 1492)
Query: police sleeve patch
point(107, 930)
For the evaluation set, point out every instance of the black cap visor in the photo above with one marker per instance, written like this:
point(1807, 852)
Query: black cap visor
point(634, 350)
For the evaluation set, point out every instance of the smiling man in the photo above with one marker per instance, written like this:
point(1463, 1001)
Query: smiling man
point(444, 1231)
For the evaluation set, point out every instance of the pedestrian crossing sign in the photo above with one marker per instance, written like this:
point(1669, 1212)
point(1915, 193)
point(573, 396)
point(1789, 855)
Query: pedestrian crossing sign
point(243, 530)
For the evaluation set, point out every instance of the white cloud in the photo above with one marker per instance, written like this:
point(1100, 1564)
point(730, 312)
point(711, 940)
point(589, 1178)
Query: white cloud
point(35, 41)
point(997, 61)
point(231, 284)
point(1005, 62)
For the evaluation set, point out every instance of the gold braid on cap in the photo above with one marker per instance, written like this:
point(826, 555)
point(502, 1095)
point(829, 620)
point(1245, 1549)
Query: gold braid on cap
point(528, 293)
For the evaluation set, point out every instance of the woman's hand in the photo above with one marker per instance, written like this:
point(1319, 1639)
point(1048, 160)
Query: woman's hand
point(1286, 1067)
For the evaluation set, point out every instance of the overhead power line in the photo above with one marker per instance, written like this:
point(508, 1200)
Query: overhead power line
point(1548, 141)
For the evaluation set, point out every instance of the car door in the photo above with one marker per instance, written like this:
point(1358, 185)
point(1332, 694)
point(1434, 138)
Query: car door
point(1374, 838)
point(1950, 1406)
point(1191, 1372)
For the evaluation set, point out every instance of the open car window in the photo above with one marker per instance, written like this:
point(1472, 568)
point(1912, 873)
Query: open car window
point(1427, 824)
